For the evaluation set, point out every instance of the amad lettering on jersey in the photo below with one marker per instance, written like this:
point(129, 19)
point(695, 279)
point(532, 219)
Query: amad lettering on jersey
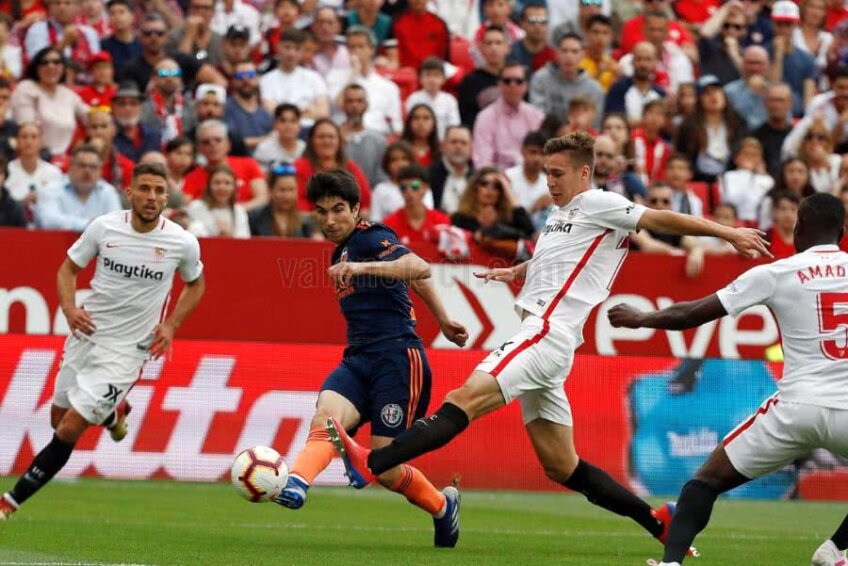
point(139, 271)
point(821, 272)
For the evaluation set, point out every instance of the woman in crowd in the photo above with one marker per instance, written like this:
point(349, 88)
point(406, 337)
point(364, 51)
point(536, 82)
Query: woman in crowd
point(745, 186)
point(421, 132)
point(44, 99)
point(811, 36)
point(488, 210)
point(179, 158)
point(794, 178)
point(28, 173)
point(816, 150)
point(216, 213)
point(285, 145)
point(387, 196)
point(710, 135)
point(324, 151)
point(280, 217)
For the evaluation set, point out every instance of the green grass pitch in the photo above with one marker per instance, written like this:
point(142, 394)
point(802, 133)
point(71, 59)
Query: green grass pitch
point(168, 523)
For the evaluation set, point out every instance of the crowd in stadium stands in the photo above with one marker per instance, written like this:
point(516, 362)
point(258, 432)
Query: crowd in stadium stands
point(734, 110)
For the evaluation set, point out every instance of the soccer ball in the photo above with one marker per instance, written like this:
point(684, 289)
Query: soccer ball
point(259, 474)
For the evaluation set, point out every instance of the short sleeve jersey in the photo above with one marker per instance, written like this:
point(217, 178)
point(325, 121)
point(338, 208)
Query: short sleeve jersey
point(808, 294)
point(376, 309)
point(577, 257)
point(133, 275)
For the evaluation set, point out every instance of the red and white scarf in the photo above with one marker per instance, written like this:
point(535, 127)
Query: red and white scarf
point(650, 156)
point(172, 123)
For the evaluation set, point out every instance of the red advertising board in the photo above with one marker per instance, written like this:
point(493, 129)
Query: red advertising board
point(192, 413)
point(277, 291)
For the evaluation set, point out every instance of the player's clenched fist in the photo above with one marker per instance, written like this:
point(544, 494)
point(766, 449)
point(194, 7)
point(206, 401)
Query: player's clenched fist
point(79, 320)
point(622, 315)
point(343, 272)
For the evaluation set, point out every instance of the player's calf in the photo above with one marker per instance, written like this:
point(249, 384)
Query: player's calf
point(44, 466)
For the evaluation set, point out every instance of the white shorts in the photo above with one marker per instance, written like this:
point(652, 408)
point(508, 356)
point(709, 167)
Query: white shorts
point(532, 366)
point(781, 431)
point(93, 379)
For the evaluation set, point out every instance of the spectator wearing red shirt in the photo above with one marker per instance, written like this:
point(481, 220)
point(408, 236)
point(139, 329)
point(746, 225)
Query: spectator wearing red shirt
point(415, 222)
point(102, 88)
point(695, 11)
point(633, 32)
point(650, 151)
point(784, 213)
point(421, 34)
point(213, 145)
point(836, 12)
point(421, 133)
point(100, 132)
point(325, 151)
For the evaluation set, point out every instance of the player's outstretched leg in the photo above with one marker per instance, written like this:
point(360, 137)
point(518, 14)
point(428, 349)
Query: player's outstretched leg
point(46, 463)
point(832, 551)
point(318, 451)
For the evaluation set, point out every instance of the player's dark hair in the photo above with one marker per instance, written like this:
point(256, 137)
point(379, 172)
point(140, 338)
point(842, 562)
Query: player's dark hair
point(414, 171)
point(822, 214)
point(150, 169)
point(534, 139)
point(333, 183)
point(432, 64)
point(599, 19)
point(579, 146)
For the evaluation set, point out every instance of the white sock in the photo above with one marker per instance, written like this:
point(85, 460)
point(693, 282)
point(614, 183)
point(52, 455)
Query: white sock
point(442, 511)
point(11, 501)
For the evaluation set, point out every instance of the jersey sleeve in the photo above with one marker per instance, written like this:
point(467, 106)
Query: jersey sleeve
point(380, 243)
point(754, 287)
point(87, 245)
point(190, 266)
point(612, 210)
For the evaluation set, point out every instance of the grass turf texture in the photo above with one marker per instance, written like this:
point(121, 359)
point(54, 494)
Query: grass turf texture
point(165, 523)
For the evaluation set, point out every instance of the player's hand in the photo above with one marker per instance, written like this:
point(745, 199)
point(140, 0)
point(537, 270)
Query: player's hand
point(625, 316)
point(503, 274)
point(343, 272)
point(750, 243)
point(163, 336)
point(455, 332)
point(80, 320)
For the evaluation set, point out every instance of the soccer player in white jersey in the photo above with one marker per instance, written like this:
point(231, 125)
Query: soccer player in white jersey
point(120, 324)
point(577, 257)
point(808, 294)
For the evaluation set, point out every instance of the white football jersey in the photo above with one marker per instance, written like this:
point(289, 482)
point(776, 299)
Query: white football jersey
point(808, 294)
point(578, 255)
point(134, 275)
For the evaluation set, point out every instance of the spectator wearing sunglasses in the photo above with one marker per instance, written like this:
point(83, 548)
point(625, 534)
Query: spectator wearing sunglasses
point(152, 35)
point(816, 150)
point(719, 44)
point(284, 144)
point(416, 222)
point(490, 212)
point(661, 197)
point(280, 218)
point(43, 98)
point(500, 128)
point(167, 108)
point(243, 111)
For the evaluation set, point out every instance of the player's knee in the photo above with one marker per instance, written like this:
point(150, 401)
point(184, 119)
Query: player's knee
point(558, 472)
point(463, 398)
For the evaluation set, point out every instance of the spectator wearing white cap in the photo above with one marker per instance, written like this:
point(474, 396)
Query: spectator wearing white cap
point(209, 102)
point(789, 64)
point(235, 12)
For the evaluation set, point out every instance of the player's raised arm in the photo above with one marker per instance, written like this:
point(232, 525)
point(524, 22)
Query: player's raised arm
point(408, 267)
point(676, 317)
point(747, 241)
point(453, 331)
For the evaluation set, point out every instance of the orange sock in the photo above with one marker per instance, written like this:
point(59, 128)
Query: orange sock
point(315, 456)
point(418, 490)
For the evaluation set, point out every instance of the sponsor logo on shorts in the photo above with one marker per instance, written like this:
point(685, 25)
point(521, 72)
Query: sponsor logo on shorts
point(138, 271)
point(391, 415)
